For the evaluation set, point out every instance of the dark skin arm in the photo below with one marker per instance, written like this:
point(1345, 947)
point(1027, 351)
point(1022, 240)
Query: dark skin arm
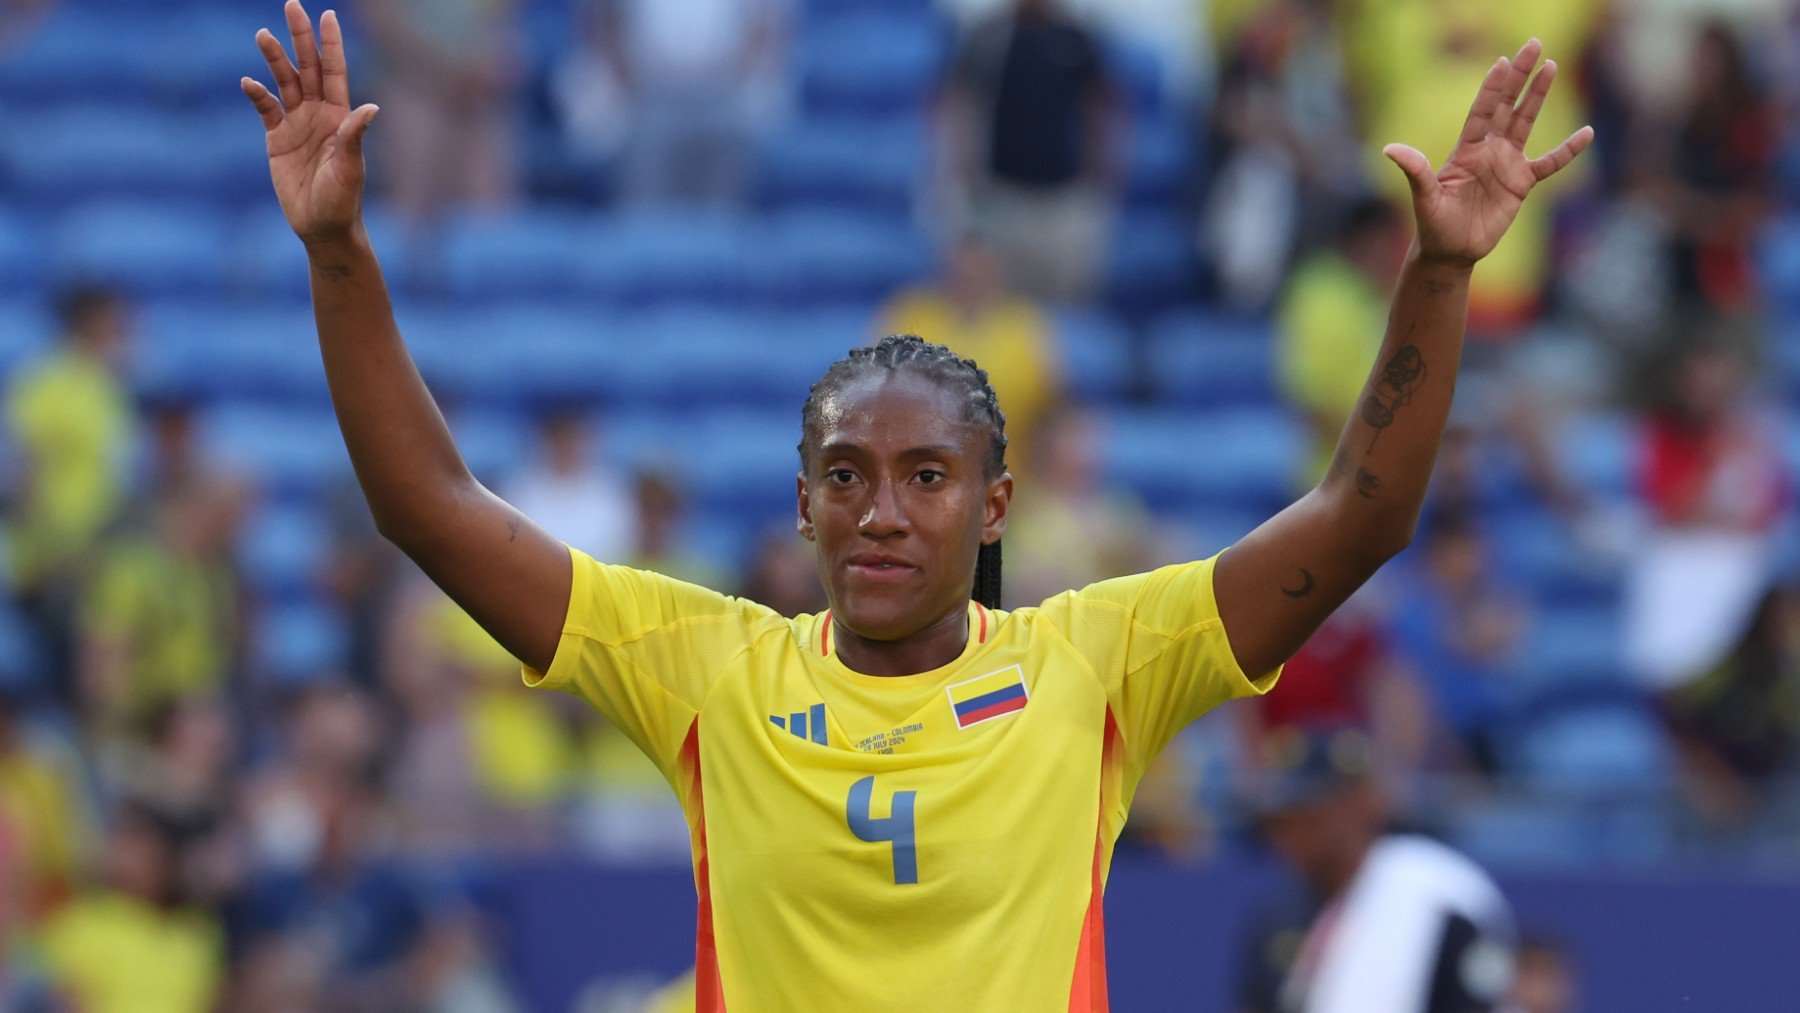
point(509, 575)
point(1278, 583)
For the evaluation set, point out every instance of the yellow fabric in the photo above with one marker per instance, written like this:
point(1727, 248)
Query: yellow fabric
point(1009, 811)
point(115, 953)
point(39, 802)
point(1011, 340)
point(1328, 333)
point(172, 613)
point(73, 421)
point(1416, 66)
point(520, 750)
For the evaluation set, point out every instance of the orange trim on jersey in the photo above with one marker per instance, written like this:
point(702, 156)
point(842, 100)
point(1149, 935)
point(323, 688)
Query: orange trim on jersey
point(709, 994)
point(982, 638)
point(825, 636)
point(1087, 993)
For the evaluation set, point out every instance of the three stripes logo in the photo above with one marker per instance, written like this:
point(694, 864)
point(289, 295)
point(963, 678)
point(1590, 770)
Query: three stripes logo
point(807, 724)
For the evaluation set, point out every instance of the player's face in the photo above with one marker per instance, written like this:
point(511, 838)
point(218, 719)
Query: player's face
point(897, 497)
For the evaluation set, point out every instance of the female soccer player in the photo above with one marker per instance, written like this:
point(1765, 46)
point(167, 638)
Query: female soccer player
point(908, 801)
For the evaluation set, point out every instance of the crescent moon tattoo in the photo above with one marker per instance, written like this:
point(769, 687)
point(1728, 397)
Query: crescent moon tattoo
point(1305, 588)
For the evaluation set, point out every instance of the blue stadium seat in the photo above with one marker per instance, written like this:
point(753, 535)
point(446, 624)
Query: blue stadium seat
point(1596, 750)
point(26, 328)
point(21, 255)
point(536, 252)
point(861, 166)
point(1098, 354)
point(1153, 263)
point(743, 460)
point(1538, 551)
point(1572, 648)
point(299, 641)
point(1139, 70)
point(79, 53)
point(869, 63)
point(215, 351)
point(1598, 452)
point(1208, 359)
point(1162, 160)
point(1244, 459)
point(281, 548)
point(148, 248)
point(544, 352)
point(821, 258)
point(494, 443)
point(651, 256)
point(1778, 263)
point(289, 451)
point(21, 656)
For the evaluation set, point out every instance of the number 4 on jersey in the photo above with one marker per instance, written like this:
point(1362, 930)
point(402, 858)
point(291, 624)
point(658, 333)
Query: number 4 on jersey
point(896, 827)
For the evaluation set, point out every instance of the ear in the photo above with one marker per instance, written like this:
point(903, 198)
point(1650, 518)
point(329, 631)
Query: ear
point(804, 522)
point(999, 504)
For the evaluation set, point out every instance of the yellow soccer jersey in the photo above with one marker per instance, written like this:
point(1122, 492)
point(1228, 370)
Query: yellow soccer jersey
point(929, 841)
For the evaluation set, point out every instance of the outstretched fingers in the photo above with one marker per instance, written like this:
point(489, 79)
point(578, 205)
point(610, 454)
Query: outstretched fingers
point(1549, 165)
point(1520, 129)
point(350, 132)
point(1487, 102)
point(286, 79)
point(332, 68)
point(1516, 76)
point(306, 50)
point(266, 104)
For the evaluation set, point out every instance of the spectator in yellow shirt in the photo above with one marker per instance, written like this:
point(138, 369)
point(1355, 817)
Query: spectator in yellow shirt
point(70, 418)
point(971, 310)
point(132, 946)
point(1331, 321)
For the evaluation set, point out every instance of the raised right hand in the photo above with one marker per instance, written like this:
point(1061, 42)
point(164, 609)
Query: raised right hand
point(314, 137)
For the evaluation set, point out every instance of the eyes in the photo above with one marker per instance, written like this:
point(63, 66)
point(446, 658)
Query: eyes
point(847, 476)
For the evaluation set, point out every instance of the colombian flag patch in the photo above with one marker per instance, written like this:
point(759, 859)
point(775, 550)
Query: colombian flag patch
point(987, 697)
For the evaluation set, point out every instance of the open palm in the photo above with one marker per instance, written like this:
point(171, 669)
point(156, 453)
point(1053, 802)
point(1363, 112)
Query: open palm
point(1464, 208)
point(314, 137)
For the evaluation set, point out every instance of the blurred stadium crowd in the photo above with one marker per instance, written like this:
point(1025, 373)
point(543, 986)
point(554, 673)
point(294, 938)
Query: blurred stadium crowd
point(245, 743)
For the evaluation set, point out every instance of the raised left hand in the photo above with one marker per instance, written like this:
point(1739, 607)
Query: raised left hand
point(1464, 208)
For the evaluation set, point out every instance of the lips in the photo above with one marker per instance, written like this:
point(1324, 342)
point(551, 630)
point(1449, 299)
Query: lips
point(880, 566)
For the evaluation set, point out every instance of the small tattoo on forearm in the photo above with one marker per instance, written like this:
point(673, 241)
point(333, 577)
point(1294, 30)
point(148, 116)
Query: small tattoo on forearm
point(1340, 463)
point(1305, 588)
point(1436, 287)
point(335, 270)
point(512, 530)
point(1400, 379)
point(1367, 483)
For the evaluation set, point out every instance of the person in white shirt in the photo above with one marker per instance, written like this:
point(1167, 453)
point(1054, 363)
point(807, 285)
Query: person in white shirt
point(572, 493)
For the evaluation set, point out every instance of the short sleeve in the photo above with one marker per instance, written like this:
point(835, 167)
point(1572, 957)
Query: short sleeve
point(1158, 647)
point(645, 649)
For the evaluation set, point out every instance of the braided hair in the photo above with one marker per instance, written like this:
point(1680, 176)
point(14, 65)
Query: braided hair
point(941, 365)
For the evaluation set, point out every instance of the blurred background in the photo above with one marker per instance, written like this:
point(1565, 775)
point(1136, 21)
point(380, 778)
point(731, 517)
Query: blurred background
point(250, 758)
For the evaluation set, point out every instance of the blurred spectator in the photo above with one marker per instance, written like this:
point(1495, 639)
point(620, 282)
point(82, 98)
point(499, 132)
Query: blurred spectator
point(163, 620)
point(1724, 159)
point(1333, 319)
point(567, 491)
point(72, 422)
point(1464, 632)
point(681, 91)
point(1546, 980)
point(971, 311)
point(1735, 726)
point(134, 944)
point(44, 817)
point(784, 574)
point(1713, 479)
point(1030, 117)
point(1385, 921)
point(1347, 676)
point(447, 73)
point(1068, 529)
point(1410, 63)
point(177, 463)
point(19, 19)
point(660, 511)
point(1285, 161)
point(185, 777)
point(362, 573)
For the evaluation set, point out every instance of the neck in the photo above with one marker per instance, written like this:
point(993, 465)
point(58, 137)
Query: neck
point(934, 646)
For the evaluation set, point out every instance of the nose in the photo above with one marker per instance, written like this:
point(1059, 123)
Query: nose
point(885, 513)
